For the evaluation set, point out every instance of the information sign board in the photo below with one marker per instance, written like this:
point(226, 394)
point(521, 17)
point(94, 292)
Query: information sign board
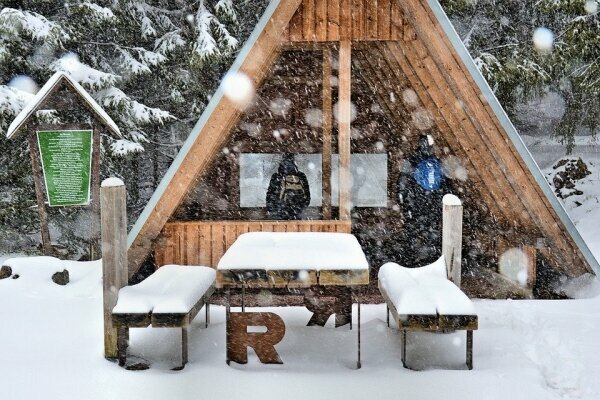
point(67, 163)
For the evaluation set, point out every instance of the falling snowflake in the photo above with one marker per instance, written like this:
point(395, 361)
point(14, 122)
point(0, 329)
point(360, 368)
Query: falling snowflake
point(238, 88)
point(543, 39)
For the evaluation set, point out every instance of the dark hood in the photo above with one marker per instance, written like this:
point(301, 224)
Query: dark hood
point(288, 166)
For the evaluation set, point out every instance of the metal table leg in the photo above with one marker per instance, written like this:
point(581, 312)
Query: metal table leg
point(243, 297)
point(227, 322)
point(358, 363)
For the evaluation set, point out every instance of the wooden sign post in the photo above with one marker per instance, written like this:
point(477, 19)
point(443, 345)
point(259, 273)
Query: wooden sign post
point(65, 157)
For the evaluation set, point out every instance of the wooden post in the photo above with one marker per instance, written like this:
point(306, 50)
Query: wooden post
point(327, 113)
point(344, 116)
point(452, 236)
point(95, 193)
point(114, 255)
point(36, 165)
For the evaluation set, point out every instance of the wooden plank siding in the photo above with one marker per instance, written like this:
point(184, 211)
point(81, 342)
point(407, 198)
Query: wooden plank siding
point(205, 242)
point(377, 69)
point(357, 20)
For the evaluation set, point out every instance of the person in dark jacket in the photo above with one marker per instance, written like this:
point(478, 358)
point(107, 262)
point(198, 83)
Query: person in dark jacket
point(421, 186)
point(288, 193)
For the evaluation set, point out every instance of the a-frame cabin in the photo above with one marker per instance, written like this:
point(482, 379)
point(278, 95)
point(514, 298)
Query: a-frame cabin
point(394, 70)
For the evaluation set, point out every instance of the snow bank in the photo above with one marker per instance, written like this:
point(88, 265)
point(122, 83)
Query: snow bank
point(171, 289)
point(424, 291)
point(35, 276)
point(294, 250)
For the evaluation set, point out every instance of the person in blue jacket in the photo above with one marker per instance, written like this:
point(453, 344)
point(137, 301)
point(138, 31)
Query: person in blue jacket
point(421, 186)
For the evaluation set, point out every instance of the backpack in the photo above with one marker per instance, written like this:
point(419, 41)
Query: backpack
point(292, 191)
point(429, 174)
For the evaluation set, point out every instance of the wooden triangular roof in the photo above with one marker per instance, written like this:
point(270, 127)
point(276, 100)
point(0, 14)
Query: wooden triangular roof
point(56, 81)
point(418, 43)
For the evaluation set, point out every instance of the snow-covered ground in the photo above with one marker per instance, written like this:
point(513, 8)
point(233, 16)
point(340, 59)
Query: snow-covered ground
point(547, 152)
point(51, 348)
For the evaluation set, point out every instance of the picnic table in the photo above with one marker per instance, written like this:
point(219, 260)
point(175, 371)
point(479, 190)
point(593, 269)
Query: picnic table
point(284, 260)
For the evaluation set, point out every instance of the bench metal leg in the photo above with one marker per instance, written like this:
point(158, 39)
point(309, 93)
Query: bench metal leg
point(387, 315)
point(403, 353)
point(243, 297)
point(122, 339)
point(207, 310)
point(470, 350)
point(358, 363)
point(184, 346)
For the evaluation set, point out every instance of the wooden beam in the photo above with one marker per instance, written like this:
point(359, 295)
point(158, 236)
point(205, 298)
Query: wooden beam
point(36, 165)
point(327, 124)
point(95, 192)
point(344, 116)
point(214, 133)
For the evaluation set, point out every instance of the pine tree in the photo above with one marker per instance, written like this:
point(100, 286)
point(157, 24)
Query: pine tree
point(498, 34)
point(151, 64)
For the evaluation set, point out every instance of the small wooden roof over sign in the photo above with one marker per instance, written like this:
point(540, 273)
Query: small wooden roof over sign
point(58, 79)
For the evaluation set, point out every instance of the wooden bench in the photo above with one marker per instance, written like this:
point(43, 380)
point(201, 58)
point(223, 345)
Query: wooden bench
point(169, 298)
point(423, 299)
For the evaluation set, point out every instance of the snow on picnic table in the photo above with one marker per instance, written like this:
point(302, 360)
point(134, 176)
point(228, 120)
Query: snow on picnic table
point(293, 251)
point(52, 349)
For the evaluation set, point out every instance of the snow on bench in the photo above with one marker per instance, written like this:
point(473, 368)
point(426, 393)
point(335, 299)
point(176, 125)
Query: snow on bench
point(424, 299)
point(170, 297)
point(172, 289)
point(424, 290)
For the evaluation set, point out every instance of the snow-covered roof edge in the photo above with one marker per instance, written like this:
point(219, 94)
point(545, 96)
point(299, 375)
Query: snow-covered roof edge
point(45, 90)
point(511, 130)
point(187, 145)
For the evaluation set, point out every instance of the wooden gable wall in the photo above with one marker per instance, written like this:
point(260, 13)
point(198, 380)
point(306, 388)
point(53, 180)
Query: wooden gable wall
point(357, 20)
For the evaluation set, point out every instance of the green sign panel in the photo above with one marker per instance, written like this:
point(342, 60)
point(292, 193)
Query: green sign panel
point(67, 164)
